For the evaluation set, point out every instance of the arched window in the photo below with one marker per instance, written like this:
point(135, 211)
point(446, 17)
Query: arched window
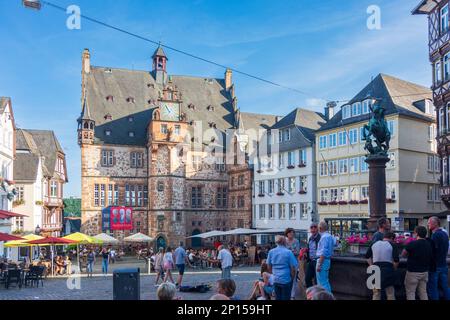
point(92, 126)
point(86, 125)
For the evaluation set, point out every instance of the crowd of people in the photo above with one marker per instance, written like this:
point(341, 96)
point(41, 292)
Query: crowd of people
point(426, 265)
point(289, 271)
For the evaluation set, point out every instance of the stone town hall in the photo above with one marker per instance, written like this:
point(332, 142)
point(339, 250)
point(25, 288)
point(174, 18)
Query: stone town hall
point(139, 150)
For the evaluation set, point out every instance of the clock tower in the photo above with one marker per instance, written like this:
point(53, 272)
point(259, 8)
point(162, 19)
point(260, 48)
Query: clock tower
point(167, 171)
point(160, 66)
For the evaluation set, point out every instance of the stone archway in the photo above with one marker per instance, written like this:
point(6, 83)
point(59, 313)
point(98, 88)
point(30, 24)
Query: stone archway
point(160, 242)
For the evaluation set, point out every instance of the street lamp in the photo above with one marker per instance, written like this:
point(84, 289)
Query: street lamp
point(32, 4)
point(37, 231)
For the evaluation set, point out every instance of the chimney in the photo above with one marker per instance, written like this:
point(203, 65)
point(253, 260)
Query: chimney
point(86, 61)
point(228, 79)
point(330, 110)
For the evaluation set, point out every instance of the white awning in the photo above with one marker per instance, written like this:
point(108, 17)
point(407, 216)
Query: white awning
point(138, 237)
point(106, 238)
point(210, 234)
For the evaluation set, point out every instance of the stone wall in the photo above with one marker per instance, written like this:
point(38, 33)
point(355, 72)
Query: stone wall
point(348, 276)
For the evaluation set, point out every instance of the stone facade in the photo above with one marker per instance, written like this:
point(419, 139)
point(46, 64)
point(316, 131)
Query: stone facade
point(182, 193)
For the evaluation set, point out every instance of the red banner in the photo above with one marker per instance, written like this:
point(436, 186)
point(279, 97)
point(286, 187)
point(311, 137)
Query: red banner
point(121, 218)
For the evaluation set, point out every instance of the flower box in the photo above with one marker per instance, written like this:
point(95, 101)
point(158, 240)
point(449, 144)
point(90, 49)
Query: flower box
point(354, 202)
point(280, 194)
point(343, 203)
point(259, 171)
point(323, 203)
point(302, 192)
point(364, 201)
point(333, 203)
point(269, 169)
point(290, 167)
point(390, 200)
point(261, 195)
point(302, 165)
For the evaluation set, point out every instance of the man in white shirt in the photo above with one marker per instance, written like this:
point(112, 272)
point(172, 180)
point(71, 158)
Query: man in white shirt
point(226, 261)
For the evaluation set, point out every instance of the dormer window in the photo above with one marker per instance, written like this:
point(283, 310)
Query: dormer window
point(130, 119)
point(131, 134)
point(210, 108)
point(108, 116)
point(212, 125)
point(151, 85)
point(346, 112)
point(130, 100)
point(191, 106)
point(107, 132)
point(110, 98)
point(192, 123)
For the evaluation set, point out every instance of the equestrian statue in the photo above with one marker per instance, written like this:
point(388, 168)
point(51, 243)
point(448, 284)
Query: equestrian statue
point(377, 131)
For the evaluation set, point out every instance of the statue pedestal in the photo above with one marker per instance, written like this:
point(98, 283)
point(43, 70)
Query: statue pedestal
point(377, 188)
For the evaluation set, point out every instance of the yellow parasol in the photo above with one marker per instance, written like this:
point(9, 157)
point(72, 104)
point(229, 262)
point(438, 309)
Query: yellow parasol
point(81, 238)
point(23, 243)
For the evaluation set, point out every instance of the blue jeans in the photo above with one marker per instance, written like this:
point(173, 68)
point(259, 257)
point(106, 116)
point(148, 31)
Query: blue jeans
point(436, 280)
point(90, 266)
point(226, 273)
point(283, 291)
point(105, 266)
point(322, 276)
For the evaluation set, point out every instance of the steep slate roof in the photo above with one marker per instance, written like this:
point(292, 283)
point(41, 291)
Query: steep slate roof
point(257, 120)
point(26, 167)
point(39, 143)
point(399, 97)
point(141, 85)
point(159, 53)
point(303, 118)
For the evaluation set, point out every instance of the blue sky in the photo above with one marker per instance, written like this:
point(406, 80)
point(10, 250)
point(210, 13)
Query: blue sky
point(321, 47)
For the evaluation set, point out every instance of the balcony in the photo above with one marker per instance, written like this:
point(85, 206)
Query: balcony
point(53, 202)
point(51, 227)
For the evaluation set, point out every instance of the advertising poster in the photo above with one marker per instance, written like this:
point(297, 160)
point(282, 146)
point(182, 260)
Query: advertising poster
point(121, 218)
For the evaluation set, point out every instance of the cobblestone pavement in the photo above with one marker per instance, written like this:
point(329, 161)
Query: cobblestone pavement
point(100, 287)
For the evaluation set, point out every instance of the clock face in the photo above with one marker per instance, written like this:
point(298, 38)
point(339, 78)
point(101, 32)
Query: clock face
point(170, 111)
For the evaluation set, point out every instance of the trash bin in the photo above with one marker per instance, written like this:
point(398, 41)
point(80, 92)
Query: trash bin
point(126, 284)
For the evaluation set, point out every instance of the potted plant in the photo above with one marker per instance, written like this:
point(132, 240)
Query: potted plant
point(358, 244)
